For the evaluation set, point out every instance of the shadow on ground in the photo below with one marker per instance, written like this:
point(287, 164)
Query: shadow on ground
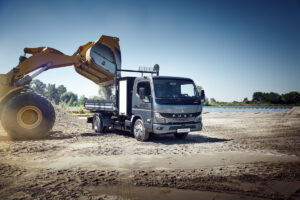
point(164, 139)
point(92, 134)
point(57, 135)
point(190, 139)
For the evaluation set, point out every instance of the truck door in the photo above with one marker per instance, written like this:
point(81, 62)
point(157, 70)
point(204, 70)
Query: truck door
point(142, 102)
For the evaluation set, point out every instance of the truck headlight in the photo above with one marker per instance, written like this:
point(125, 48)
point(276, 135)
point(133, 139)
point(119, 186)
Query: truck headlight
point(198, 118)
point(159, 118)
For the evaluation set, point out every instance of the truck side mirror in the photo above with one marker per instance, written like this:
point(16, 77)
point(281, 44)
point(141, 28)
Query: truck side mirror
point(142, 92)
point(202, 95)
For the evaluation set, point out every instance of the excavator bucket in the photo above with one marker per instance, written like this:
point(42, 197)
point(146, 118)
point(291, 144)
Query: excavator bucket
point(102, 60)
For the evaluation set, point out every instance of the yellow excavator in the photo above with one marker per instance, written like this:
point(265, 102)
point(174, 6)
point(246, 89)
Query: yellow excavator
point(27, 115)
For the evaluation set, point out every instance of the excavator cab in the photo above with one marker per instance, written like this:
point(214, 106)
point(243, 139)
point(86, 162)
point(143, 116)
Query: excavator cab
point(27, 115)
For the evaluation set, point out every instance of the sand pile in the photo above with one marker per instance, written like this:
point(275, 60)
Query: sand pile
point(294, 111)
point(65, 125)
point(68, 124)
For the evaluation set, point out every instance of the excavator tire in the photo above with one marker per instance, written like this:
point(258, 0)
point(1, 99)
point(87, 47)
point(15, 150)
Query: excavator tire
point(28, 116)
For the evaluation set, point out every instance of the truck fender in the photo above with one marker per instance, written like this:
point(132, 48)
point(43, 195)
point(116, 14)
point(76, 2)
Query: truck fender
point(134, 118)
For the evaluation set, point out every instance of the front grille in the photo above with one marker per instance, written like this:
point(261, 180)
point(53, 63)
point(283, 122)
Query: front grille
point(180, 115)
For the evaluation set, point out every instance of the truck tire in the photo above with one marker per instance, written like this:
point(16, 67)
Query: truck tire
point(98, 123)
point(181, 135)
point(139, 131)
point(28, 116)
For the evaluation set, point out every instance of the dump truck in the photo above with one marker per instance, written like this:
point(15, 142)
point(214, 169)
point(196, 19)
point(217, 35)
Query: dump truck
point(149, 105)
point(141, 105)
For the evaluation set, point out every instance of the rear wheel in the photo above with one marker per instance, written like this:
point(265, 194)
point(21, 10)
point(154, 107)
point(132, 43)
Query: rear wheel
point(139, 131)
point(181, 135)
point(98, 123)
point(28, 116)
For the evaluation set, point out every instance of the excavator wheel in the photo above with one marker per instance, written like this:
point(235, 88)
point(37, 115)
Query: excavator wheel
point(28, 116)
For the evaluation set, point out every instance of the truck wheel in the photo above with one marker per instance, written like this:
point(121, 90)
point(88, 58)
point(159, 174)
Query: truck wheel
point(181, 135)
point(98, 123)
point(28, 116)
point(139, 131)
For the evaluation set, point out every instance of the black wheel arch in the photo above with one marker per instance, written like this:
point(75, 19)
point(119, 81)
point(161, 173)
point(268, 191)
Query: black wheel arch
point(134, 118)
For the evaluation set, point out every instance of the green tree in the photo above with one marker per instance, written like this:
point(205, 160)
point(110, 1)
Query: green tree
point(51, 93)
point(56, 94)
point(213, 101)
point(246, 100)
point(291, 98)
point(70, 98)
point(39, 87)
point(81, 100)
point(273, 97)
point(205, 102)
point(61, 89)
point(258, 97)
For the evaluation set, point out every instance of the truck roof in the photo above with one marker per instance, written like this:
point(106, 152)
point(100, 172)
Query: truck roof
point(171, 77)
point(156, 77)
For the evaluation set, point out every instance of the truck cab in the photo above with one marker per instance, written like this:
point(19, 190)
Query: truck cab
point(167, 105)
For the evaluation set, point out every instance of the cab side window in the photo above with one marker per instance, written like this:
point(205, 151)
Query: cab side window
point(144, 91)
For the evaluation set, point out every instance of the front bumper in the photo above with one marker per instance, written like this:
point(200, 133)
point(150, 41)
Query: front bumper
point(172, 128)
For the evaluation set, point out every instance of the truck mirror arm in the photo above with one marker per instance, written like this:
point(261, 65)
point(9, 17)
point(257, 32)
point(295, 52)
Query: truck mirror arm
point(202, 95)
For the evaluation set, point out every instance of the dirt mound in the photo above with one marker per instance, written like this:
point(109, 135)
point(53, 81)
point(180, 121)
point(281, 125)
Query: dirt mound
point(294, 111)
point(68, 124)
point(64, 116)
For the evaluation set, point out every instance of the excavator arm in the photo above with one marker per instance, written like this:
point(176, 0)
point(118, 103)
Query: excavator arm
point(98, 61)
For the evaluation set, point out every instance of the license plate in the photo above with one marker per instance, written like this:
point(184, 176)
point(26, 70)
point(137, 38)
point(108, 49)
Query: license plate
point(183, 130)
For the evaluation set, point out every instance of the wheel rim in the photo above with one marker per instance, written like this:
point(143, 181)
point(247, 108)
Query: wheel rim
point(29, 117)
point(97, 123)
point(138, 130)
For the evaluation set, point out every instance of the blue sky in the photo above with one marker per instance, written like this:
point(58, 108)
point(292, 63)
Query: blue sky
point(231, 48)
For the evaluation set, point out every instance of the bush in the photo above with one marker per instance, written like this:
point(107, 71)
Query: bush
point(291, 98)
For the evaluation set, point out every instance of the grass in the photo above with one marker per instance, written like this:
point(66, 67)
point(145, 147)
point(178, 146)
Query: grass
point(249, 104)
point(81, 110)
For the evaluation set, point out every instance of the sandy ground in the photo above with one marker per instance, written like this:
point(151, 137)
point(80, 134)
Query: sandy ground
point(236, 156)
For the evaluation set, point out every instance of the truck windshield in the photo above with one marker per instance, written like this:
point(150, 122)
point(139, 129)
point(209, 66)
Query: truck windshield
point(174, 88)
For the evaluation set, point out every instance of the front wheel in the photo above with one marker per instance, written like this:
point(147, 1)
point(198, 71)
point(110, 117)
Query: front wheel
point(28, 116)
point(139, 131)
